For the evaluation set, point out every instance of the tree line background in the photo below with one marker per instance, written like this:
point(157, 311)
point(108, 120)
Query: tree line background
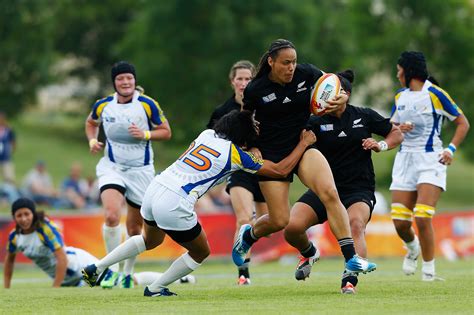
point(183, 49)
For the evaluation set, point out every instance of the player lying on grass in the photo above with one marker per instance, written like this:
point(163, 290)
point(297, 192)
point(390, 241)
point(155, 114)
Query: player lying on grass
point(168, 205)
point(39, 239)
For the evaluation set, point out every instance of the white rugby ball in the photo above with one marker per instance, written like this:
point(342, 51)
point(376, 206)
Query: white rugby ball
point(325, 89)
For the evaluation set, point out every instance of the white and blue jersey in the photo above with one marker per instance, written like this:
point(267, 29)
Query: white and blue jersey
point(121, 147)
point(426, 109)
point(208, 161)
point(40, 246)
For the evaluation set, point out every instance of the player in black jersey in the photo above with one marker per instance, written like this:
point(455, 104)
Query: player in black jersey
point(280, 97)
point(345, 139)
point(242, 187)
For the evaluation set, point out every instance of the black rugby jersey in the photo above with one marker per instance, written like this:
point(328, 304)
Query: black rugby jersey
point(340, 141)
point(282, 110)
point(223, 109)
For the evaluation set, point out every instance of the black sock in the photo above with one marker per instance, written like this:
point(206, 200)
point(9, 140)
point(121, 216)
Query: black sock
point(244, 269)
point(347, 247)
point(309, 251)
point(249, 237)
point(352, 278)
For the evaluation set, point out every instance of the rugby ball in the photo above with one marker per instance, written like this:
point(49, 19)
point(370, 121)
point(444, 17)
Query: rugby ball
point(325, 89)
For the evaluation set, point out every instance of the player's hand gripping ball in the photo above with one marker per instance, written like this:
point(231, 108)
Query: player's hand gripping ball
point(327, 87)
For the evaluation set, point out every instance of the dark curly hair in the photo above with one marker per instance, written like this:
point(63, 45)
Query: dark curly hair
point(237, 127)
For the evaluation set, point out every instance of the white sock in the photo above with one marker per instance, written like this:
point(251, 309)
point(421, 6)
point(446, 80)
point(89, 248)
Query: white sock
point(428, 267)
point(413, 245)
point(129, 263)
point(112, 237)
point(130, 248)
point(146, 277)
point(181, 267)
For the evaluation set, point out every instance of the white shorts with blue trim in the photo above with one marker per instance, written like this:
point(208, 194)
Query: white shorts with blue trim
point(135, 180)
point(77, 260)
point(170, 210)
point(413, 168)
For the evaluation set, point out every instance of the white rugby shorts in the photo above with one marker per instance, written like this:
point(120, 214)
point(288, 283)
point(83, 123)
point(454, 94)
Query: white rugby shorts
point(135, 180)
point(413, 168)
point(77, 260)
point(170, 210)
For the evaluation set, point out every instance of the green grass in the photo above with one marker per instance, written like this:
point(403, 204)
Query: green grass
point(273, 291)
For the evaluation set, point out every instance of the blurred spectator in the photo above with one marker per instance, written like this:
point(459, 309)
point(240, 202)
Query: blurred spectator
point(7, 147)
point(38, 185)
point(93, 192)
point(74, 189)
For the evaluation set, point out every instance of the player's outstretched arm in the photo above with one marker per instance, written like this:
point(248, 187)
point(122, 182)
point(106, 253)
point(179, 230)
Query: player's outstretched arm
point(285, 166)
point(8, 269)
point(61, 266)
point(392, 140)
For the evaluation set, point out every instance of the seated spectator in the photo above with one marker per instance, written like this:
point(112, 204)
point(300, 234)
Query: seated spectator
point(74, 188)
point(7, 147)
point(38, 185)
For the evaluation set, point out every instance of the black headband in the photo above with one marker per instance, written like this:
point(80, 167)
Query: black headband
point(23, 203)
point(122, 67)
point(283, 46)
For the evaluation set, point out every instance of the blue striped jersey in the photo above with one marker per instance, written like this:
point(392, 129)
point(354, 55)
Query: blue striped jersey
point(121, 147)
point(426, 109)
point(38, 246)
point(208, 161)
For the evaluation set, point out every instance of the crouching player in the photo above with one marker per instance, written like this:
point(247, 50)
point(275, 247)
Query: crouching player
point(168, 205)
point(39, 239)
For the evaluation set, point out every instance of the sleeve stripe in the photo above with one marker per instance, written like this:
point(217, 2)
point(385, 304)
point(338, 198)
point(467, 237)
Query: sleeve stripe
point(235, 155)
point(12, 242)
point(394, 109)
point(247, 161)
point(445, 100)
point(53, 227)
point(99, 106)
point(153, 109)
point(50, 236)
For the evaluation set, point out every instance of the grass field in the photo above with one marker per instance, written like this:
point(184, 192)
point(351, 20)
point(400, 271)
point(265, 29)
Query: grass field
point(273, 291)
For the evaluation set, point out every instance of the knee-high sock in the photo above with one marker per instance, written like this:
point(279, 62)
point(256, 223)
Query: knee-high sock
point(112, 237)
point(129, 263)
point(146, 277)
point(130, 248)
point(181, 267)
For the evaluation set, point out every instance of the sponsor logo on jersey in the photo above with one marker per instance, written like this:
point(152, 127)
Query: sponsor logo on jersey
point(327, 127)
point(109, 119)
point(269, 98)
point(301, 87)
point(342, 134)
point(401, 107)
point(286, 100)
point(355, 123)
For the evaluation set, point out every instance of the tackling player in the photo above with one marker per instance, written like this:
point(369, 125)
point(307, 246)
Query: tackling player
point(168, 206)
